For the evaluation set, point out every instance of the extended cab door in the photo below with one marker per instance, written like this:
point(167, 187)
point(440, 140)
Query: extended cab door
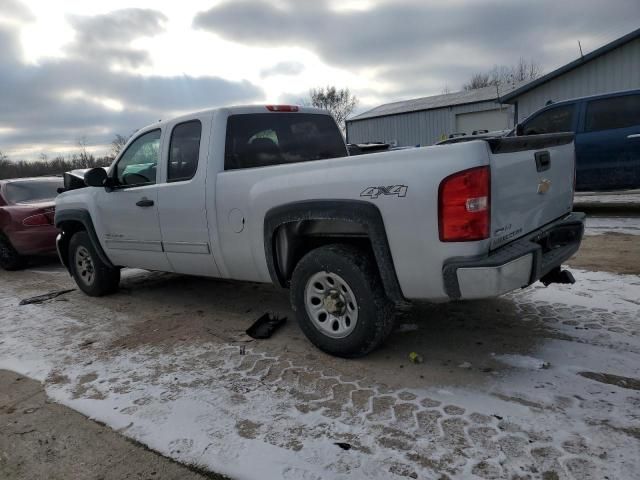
point(608, 143)
point(127, 220)
point(182, 196)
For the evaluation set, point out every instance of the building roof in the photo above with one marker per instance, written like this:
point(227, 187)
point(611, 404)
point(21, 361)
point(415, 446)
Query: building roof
point(571, 66)
point(464, 97)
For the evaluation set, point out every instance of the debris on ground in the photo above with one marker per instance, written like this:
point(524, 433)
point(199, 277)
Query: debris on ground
point(87, 343)
point(466, 365)
point(44, 297)
point(415, 357)
point(265, 326)
point(344, 445)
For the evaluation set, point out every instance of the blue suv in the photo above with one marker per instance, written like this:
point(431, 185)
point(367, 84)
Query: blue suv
point(607, 129)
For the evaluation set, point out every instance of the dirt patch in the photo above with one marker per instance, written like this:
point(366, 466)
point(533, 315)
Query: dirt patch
point(618, 381)
point(42, 439)
point(610, 252)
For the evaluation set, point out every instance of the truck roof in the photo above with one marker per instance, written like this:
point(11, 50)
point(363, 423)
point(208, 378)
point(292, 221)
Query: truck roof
point(239, 109)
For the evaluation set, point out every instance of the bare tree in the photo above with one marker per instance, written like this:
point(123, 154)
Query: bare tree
point(503, 75)
point(446, 90)
point(85, 157)
point(117, 144)
point(478, 80)
point(340, 103)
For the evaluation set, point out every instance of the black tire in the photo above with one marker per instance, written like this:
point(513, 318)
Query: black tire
point(10, 259)
point(375, 312)
point(95, 278)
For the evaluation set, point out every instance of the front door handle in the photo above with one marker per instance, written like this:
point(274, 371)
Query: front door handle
point(543, 160)
point(634, 135)
point(144, 202)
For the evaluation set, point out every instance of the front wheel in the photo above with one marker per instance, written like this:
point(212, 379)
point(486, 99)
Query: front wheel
point(339, 300)
point(91, 274)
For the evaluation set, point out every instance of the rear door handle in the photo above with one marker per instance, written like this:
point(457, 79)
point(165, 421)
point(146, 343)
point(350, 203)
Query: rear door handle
point(144, 202)
point(634, 135)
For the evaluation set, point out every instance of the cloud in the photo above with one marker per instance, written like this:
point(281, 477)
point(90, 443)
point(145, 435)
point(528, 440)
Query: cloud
point(107, 37)
point(14, 10)
point(60, 100)
point(408, 33)
point(283, 68)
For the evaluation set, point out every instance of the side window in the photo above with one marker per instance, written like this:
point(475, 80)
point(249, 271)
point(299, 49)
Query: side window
point(554, 120)
point(184, 151)
point(613, 112)
point(138, 164)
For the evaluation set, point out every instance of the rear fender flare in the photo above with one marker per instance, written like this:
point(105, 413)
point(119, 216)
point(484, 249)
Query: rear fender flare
point(356, 211)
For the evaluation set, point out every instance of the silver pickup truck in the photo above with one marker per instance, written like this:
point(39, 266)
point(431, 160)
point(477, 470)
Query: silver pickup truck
point(268, 194)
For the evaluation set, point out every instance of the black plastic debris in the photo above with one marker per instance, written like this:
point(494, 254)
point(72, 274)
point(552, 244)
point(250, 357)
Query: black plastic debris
point(45, 297)
point(265, 326)
point(344, 445)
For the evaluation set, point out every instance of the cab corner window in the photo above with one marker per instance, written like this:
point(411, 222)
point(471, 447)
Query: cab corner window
point(139, 163)
point(184, 151)
point(260, 140)
point(554, 120)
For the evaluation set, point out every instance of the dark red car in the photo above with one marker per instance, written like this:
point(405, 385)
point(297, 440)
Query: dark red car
point(27, 207)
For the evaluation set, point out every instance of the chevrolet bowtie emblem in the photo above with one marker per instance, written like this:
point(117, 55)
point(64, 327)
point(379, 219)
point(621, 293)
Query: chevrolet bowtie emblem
point(544, 185)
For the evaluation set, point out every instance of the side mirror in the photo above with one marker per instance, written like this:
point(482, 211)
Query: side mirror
point(519, 130)
point(96, 177)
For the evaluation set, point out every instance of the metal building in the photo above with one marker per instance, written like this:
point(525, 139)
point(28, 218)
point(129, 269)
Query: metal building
point(424, 121)
point(611, 68)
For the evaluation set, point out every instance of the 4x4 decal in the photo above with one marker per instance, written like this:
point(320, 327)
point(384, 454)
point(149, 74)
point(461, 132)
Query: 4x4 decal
point(375, 192)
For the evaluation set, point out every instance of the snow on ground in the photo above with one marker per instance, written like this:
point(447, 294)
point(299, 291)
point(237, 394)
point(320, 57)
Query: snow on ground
point(260, 416)
point(622, 197)
point(600, 225)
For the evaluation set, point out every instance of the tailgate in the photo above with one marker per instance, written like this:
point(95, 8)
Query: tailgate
point(532, 181)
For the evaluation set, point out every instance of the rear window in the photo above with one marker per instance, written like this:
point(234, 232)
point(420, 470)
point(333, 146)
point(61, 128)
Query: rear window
point(614, 112)
point(263, 139)
point(32, 191)
point(554, 120)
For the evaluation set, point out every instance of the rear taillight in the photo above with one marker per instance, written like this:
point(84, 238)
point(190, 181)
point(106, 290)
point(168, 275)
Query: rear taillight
point(464, 205)
point(282, 108)
point(40, 219)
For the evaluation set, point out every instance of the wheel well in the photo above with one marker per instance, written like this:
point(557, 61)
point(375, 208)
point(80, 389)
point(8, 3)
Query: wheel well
point(68, 228)
point(294, 240)
point(292, 230)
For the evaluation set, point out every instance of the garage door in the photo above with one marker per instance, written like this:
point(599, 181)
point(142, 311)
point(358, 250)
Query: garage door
point(488, 120)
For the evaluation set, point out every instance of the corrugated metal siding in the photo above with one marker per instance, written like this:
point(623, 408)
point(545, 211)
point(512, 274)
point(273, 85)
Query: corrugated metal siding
point(613, 71)
point(414, 128)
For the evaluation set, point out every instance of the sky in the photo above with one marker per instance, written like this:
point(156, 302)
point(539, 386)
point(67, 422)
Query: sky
point(80, 70)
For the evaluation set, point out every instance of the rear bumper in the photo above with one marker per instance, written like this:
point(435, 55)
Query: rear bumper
point(516, 265)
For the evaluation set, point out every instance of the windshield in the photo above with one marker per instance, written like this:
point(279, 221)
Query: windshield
point(262, 139)
point(29, 191)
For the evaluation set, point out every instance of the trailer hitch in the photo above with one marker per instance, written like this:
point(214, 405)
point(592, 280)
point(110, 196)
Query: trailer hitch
point(557, 275)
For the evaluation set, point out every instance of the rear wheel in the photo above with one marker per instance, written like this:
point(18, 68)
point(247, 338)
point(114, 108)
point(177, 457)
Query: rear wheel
point(9, 257)
point(91, 274)
point(340, 302)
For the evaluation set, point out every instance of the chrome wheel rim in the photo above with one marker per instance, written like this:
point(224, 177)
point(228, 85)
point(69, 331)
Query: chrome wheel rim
point(331, 304)
point(84, 266)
